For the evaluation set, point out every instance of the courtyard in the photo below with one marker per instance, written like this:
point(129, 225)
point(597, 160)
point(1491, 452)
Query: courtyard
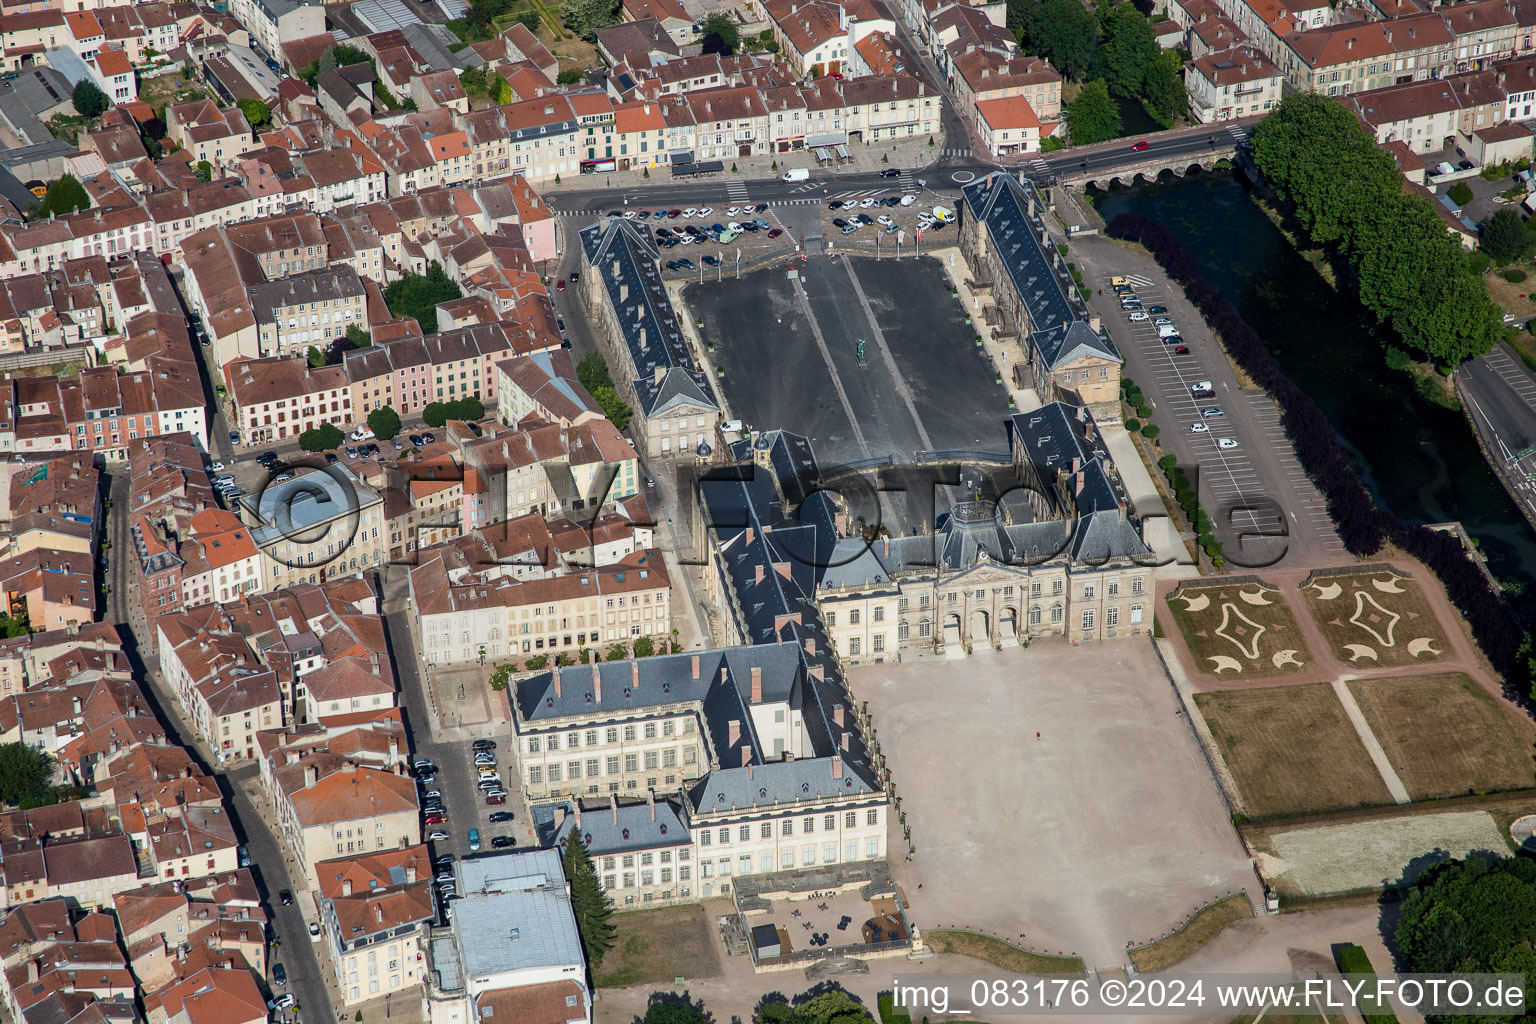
point(1106, 828)
point(921, 384)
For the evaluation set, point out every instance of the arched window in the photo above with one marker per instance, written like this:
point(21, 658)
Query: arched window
point(1034, 616)
point(903, 631)
point(924, 629)
point(1055, 613)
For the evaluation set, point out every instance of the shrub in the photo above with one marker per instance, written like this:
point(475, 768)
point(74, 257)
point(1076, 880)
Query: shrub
point(1150, 431)
point(321, 438)
point(1133, 425)
point(1514, 275)
point(1460, 193)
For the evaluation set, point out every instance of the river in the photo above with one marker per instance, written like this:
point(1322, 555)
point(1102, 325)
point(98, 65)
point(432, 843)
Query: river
point(1419, 459)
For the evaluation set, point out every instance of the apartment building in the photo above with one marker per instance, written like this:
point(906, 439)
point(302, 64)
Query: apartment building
point(318, 526)
point(377, 910)
point(353, 810)
point(1234, 83)
point(312, 308)
point(485, 617)
point(282, 396)
point(1432, 115)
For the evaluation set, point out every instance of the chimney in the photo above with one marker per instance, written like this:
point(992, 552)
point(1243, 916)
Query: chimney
point(613, 803)
point(634, 675)
point(757, 573)
point(750, 536)
point(734, 733)
point(810, 646)
point(695, 666)
point(746, 757)
point(576, 811)
point(650, 801)
point(559, 817)
point(1349, 44)
point(837, 715)
point(1078, 489)
point(847, 740)
point(642, 337)
point(837, 767)
point(1095, 324)
point(623, 292)
point(291, 757)
point(394, 748)
point(597, 682)
point(346, 887)
point(885, 546)
point(661, 371)
point(32, 964)
point(75, 704)
point(749, 773)
point(757, 684)
point(556, 675)
point(410, 873)
point(311, 775)
point(378, 914)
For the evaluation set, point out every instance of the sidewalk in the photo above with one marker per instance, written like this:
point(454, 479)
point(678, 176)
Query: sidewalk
point(907, 154)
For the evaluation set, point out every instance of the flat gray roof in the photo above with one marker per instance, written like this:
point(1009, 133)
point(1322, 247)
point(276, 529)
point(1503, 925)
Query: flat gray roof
point(515, 914)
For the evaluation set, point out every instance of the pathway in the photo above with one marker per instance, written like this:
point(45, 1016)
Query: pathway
point(1372, 744)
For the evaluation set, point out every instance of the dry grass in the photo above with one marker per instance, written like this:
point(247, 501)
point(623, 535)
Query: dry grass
point(1001, 954)
point(657, 946)
point(1230, 630)
point(1447, 736)
point(1362, 617)
point(1514, 298)
point(1292, 750)
point(1193, 937)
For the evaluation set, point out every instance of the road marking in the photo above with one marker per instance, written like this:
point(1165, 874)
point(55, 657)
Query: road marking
point(826, 355)
point(736, 192)
point(885, 353)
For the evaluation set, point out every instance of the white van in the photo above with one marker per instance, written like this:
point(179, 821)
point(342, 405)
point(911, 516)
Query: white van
point(731, 427)
point(797, 174)
point(1167, 330)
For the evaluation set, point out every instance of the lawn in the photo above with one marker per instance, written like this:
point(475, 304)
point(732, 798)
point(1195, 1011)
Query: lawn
point(1184, 943)
point(658, 946)
point(1447, 736)
point(1001, 954)
point(1292, 750)
point(1239, 630)
point(1375, 618)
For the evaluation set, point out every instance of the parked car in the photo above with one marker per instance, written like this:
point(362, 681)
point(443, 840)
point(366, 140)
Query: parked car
point(416, 440)
point(474, 840)
point(485, 744)
point(1182, 350)
point(1226, 442)
point(429, 437)
point(890, 172)
point(437, 834)
point(908, 199)
point(503, 842)
point(710, 261)
point(498, 817)
point(280, 974)
point(672, 266)
point(1137, 317)
point(1211, 412)
point(775, 232)
point(1202, 389)
point(1157, 309)
point(687, 264)
point(1199, 428)
point(314, 932)
point(351, 452)
point(285, 897)
point(495, 799)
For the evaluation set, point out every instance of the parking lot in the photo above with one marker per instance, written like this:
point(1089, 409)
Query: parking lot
point(1249, 479)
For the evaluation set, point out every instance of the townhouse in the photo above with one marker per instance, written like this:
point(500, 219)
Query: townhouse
point(1432, 115)
point(316, 527)
point(312, 308)
point(377, 910)
point(1235, 83)
point(275, 22)
point(208, 133)
point(352, 810)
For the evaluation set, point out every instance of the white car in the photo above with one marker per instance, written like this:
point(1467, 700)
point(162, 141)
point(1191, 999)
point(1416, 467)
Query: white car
point(867, 203)
point(217, 467)
point(733, 211)
point(883, 219)
point(733, 226)
point(1138, 317)
point(908, 200)
point(706, 211)
point(1225, 442)
point(686, 239)
point(689, 212)
point(1163, 321)
point(1199, 428)
point(314, 932)
point(630, 214)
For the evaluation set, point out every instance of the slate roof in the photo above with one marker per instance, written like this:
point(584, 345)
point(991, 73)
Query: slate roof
point(1059, 327)
point(625, 257)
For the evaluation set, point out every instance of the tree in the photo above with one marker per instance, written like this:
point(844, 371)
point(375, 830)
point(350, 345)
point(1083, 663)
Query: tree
point(384, 422)
point(1065, 33)
point(1093, 116)
point(644, 646)
point(321, 438)
point(1127, 51)
point(20, 624)
point(417, 295)
point(592, 907)
point(618, 652)
point(315, 356)
point(257, 114)
point(834, 1007)
point(65, 195)
point(23, 771)
point(89, 101)
point(204, 170)
point(585, 17)
point(358, 336)
point(721, 34)
point(474, 82)
point(1460, 193)
point(1163, 90)
point(1473, 915)
point(676, 1013)
point(1052, 144)
point(570, 76)
point(500, 677)
point(1505, 237)
point(537, 662)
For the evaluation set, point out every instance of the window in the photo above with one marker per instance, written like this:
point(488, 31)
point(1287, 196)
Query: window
point(725, 836)
point(787, 827)
point(1088, 619)
point(879, 613)
point(853, 616)
point(854, 644)
point(1087, 591)
point(767, 832)
point(1112, 616)
point(1112, 588)
point(829, 823)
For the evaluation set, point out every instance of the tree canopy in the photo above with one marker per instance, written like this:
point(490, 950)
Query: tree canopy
point(89, 100)
point(257, 114)
point(1476, 915)
point(417, 295)
point(321, 438)
point(65, 195)
point(591, 905)
point(832, 1007)
point(670, 1012)
point(1347, 194)
point(585, 17)
point(384, 422)
point(23, 771)
point(1093, 116)
point(1064, 32)
point(721, 34)
point(592, 372)
point(1127, 50)
point(1504, 236)
point(438, 413)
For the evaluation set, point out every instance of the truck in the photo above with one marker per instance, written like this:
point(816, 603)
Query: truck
point(796, 174)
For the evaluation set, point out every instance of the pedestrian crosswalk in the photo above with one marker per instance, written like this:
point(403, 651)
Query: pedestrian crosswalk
point(1240, 134)
point(962, 152)
point(1138, 281)
point(736, 191)
point(1040, 167)
point(908, 181)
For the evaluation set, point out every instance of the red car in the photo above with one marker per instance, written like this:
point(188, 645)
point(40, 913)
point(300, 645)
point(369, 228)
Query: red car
point(1137, 147)
point(495, 799)
point(775, 233)
point(1182, 350)
point(560, 285)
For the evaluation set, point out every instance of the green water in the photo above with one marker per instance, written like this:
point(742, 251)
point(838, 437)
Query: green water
point(1418, 459)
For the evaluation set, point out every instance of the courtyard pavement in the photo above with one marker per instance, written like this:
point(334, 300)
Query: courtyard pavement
point(1107, 828)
